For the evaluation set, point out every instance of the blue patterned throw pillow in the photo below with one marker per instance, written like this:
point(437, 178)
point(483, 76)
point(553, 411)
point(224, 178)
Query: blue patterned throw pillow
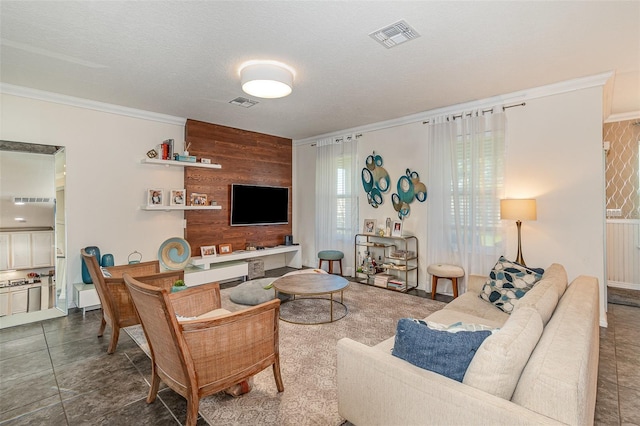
point(448, 354)
point(508, 282)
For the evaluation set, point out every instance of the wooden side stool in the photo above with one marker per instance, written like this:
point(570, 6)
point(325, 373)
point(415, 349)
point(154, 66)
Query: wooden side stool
point(443, 270)
point(330, 256)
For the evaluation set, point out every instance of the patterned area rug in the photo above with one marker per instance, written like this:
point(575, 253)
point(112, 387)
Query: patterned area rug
point(308, 359)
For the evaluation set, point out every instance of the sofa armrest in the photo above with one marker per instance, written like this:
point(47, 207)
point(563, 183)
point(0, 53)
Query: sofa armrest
point(475, 283)
point(376, 388)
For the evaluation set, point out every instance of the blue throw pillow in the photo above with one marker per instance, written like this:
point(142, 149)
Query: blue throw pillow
point(442, 352)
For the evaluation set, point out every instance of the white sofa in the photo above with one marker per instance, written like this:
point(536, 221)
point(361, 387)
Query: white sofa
point(552, 333)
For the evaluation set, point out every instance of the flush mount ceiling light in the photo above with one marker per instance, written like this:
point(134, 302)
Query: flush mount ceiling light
point(266, 79)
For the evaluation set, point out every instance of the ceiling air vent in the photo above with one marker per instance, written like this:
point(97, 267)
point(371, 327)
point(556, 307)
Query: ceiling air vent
point(243, 102)
point(25, 200)
point(394, 34)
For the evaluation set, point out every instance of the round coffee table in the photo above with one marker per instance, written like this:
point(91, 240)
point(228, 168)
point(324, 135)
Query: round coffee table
point(312, 285)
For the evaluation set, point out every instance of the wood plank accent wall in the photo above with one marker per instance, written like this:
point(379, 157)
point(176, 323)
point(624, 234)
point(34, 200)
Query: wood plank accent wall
point(246, 158)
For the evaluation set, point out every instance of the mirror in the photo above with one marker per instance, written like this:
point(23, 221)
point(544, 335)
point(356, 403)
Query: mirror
point(32, 233)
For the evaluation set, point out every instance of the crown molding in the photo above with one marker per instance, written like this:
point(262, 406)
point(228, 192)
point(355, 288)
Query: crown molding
point(514, 97)
point(41, 95)
point(613, 118)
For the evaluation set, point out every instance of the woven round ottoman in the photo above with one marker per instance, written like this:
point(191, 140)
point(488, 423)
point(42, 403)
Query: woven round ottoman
point(446, 271)
point(330, 256)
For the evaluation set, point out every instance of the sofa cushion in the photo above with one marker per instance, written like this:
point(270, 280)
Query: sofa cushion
point(543, 298)
point(558, 276)
point(508, 282)
point(448, 354)
point(498, 363)
point(450, 316)
point(470, 303)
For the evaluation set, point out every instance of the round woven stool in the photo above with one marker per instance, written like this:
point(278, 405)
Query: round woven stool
point(449, 272)
point(330, 256)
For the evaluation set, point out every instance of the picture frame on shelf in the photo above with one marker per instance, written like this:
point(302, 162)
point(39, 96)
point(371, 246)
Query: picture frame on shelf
point(198, 199)
point(224, 248)
point(369, 226)
point(155, 196)
point(208, 251)
point(176, 197)
point(396, 231)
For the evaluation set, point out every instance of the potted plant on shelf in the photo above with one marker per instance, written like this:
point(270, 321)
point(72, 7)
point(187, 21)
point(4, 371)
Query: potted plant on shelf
point(177, 286)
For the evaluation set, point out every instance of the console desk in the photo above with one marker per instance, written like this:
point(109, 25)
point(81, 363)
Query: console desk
point(234, 265)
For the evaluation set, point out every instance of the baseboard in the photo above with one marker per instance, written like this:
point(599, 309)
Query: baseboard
point(628, 286)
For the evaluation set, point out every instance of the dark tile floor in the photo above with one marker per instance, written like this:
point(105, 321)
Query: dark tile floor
point(57, 372)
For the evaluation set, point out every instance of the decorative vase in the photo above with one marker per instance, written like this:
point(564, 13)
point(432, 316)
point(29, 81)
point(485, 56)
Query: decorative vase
point(86, 277)
point(107, 260)
point(177, 288)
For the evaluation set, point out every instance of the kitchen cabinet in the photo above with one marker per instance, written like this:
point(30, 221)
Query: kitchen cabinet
point(20, 250)
point(4, 302)
point(26, 250)
point(19, 300)
point(41, 249)
point(4, 252)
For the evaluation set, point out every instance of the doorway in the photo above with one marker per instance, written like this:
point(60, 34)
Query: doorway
point(32, 233)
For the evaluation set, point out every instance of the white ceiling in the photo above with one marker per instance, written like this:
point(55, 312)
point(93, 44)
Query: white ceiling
point(181, 58)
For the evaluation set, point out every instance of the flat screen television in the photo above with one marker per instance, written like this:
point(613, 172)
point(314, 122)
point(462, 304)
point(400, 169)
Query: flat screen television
point(259, 205)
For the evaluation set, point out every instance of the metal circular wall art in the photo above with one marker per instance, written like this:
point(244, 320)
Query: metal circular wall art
point(408, 188)
point(375, 179)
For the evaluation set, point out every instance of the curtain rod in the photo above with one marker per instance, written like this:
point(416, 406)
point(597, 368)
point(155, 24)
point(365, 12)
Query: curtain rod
point(483, 111)
point(341, 139)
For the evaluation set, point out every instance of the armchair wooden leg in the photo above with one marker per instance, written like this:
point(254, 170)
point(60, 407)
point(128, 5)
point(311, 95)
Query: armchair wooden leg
point(155, 385)
point(193, 403)
point(278, 376)
point(454, 284)
point(103, 324)
point(115, 334)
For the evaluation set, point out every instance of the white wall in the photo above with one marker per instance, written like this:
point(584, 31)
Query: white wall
point(554, 154)
point(401, 148)
point(105, 181)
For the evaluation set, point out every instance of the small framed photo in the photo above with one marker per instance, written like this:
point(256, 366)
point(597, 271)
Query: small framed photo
point(198, 199)
point(224, 248)
point(369, 226)
point(155, 197)
point(206, 251)
point(177, 197)
point(396, 231)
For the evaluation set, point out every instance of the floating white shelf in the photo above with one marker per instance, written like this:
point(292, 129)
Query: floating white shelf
point(179, 163)
point(167, 208)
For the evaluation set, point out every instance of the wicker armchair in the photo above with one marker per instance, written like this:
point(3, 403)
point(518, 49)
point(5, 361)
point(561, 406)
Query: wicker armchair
point(117, 307)
point(209, 351)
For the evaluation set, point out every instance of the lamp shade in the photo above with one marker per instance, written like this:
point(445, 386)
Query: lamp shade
point(266, 80)
point(518, 209)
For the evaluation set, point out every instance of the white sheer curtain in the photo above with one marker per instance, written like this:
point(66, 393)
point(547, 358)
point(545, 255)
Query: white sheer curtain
point(466, 157)
point(337, 196)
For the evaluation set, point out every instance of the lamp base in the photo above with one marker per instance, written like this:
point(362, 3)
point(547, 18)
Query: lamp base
point(519, 258)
